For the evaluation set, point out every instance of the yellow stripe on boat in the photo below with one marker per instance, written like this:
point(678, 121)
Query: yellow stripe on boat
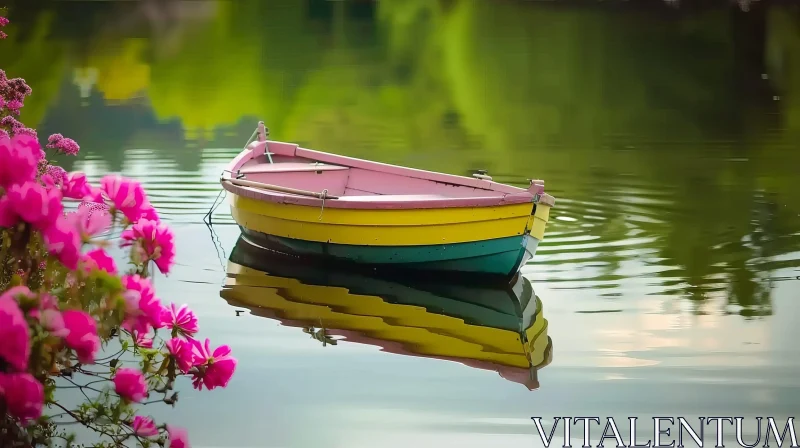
point(382, 227)
point(387, 217)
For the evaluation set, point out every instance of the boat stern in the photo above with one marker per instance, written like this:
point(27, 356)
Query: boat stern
point(537, 222)
point(540, 216)
point(543, 202)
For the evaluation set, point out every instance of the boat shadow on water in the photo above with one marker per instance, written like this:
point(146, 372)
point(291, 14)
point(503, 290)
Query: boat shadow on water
point(490, 327)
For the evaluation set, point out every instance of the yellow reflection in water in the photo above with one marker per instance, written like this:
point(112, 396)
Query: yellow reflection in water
point(122, 73)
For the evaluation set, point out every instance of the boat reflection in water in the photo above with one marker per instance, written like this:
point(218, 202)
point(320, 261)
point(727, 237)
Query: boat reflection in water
point(492, 328)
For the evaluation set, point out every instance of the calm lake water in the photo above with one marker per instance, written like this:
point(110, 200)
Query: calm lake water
point(669, 274)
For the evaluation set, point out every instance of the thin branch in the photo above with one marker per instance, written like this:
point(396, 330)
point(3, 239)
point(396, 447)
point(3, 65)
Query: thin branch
point(90, 373)
point(81, 421)
point(153, 401)
point(74, 384)
point(64, 423)
point(110, 356)
point(96, 381)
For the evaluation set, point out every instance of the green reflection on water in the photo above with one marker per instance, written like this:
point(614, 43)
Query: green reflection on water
point(638, 122)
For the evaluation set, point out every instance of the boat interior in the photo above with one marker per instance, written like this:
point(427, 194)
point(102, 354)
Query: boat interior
point(355, 183)
point(288, 165)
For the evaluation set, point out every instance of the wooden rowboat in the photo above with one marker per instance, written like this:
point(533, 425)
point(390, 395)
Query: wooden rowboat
point(312, 203)
point(494, 328)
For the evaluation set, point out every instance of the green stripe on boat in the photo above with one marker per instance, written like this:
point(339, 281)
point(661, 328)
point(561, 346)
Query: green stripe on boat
point(499, 256)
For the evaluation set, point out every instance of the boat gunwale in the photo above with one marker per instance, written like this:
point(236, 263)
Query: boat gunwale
point(508, 194)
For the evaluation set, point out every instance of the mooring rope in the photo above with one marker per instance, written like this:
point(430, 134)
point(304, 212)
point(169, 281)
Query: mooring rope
point(322, 209)
point(214, 205)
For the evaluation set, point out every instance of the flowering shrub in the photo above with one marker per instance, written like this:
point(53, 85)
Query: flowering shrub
point(69, 317)
point(3, 22)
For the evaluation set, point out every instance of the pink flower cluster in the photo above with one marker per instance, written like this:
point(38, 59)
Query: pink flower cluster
point(144, 312)
point(208, 368)
point(32, 212)
point(12, 91)
point(28, 202)
point(12, 98)
point(14, 127)
point(63, 145)
point(23, 394)
point(146, 427)
point(38, 203)
point(54, 176)
point(212, 369)
point(153, 241)
point(126, 196)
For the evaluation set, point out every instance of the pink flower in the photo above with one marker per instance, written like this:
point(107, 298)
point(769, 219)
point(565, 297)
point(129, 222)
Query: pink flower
point(183, 319)
point(75, 186)
point(15, 88)
point(127, 195)
point(3, 21)
point(142, 340)
point(25, 143)
point(53, 321)
point(23, 395)
point(99, 259)
point(182, 352)
point(213, 369)
point(48, 182)
point(41, 166)
point(154, 241)
point(89, 223)
point(143, 309)
point(95, 196)
point(178, 437)
point(63, 240)
point(63, 145)
point(15, 346)
point(130, 384)
point(12, 123)
point(151, 214)
point(34, 204)
point(53, 139)
point(14, 106)
point(18, 158)
point(26, 131)
point(82, 335)
point(144, 426)
point(58, 174)
point(47, 301)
